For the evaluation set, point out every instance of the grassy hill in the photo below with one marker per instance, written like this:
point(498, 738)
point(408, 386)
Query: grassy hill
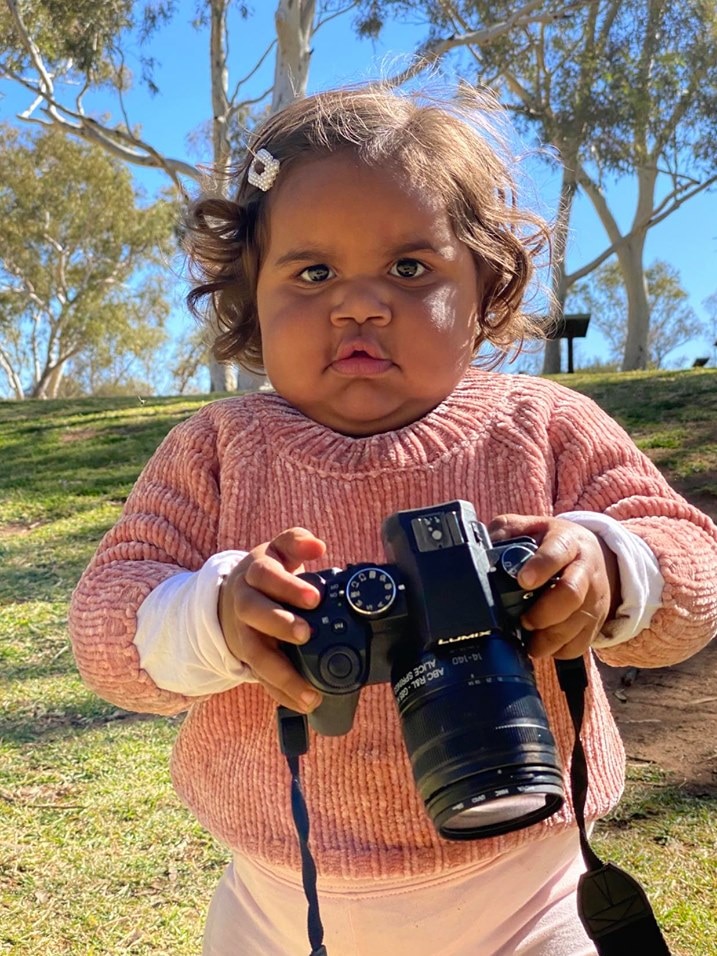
point(96, 854)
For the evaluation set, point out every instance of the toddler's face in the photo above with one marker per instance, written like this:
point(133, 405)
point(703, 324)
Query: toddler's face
point(367, 301)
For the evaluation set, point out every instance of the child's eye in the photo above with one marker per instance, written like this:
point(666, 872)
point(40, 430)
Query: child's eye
point(408, 268)
point(318, 273)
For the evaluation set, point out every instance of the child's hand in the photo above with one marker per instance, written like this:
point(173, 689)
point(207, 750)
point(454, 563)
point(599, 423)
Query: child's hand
point(566, 619)
point(253, 621)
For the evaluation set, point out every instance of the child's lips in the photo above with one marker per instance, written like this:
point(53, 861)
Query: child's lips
point(361, 364)
point(360, 359)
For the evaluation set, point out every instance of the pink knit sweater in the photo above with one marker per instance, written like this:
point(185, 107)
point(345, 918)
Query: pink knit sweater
point(243, 469)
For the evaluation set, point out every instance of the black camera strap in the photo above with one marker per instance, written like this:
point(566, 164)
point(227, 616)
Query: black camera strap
point(294, 742)
point(612, 905)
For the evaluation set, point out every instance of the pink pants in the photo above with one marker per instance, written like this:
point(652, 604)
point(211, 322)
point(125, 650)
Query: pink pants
point(524, 904)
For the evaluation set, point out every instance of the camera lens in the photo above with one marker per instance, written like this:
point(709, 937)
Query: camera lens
point(477, 734)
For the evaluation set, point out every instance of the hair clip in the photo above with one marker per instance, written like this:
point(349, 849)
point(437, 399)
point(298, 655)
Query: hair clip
point(265, 179)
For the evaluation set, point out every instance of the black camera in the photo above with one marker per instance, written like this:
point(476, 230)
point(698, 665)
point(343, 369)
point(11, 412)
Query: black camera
point(440, 622)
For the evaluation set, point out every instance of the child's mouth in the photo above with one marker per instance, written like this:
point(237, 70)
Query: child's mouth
point(360, 363)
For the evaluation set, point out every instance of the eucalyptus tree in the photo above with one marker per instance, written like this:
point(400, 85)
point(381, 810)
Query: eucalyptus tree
point(620, 90)
point(82, 259)
point(673, 322)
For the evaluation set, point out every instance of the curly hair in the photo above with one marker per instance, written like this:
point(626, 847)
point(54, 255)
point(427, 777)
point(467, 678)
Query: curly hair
point(451, 147)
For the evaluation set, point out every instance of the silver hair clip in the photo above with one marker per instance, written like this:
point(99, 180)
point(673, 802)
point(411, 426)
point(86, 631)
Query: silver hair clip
point(265, 179)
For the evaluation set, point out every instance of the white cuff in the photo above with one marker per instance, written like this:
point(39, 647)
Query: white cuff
point(641, 580)
point(180, 641)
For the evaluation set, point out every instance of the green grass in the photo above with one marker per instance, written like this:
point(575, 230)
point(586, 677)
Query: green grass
point(666, 838)
point(97, 856)
point(672, 417)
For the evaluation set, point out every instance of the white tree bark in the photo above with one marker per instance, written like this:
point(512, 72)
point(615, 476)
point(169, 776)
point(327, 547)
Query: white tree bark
point(629, 249)
point(295, 21)
point(6, 365)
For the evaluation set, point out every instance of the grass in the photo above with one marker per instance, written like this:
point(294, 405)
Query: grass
point(97, 856)
point(672, 417)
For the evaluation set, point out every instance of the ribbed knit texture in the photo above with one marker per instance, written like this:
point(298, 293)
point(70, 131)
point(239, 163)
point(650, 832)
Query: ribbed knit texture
point(244, 469)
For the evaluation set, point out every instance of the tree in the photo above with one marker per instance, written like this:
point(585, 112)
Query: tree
point(125, 361)
point(621, 88)
point(674, 323)
point(79, 258)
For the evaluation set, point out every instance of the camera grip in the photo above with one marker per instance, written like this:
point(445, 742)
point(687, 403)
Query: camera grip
point(334, 716)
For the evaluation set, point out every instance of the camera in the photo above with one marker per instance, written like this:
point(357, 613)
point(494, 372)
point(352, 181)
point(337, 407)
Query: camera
point(440, 622)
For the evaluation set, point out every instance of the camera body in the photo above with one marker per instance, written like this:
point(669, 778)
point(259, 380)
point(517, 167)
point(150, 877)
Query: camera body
point(440, 622)
point(448, 586)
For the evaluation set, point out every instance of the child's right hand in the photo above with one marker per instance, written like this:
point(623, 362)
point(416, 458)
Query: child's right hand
point(253, 620)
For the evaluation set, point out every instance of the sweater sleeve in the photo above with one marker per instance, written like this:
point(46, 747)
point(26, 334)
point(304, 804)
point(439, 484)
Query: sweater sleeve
point(168, 526)
point(599, 468)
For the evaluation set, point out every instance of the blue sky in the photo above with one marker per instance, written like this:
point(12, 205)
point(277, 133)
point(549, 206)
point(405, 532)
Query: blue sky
point(687, 239)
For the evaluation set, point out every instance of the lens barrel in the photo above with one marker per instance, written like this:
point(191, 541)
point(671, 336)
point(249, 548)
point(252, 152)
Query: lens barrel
point(482, 752)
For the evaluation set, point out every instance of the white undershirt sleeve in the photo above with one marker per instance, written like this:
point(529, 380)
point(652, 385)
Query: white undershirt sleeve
point(179, 639)
point(641, 581)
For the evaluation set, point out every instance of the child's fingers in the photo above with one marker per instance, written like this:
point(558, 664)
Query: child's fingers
point(256, 610)
point(570, 639)
point(557, 545)
point(267, 576)
point(565, 597)
point(294, 546)
point(270, 569)
point(557, 551)
point(277, 675)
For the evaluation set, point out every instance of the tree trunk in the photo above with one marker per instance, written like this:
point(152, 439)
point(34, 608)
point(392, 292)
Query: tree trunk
point(222, 378)
point(629, 249)
point(294, 21)
point(12, 376)
point(630, 257)
point(48, 384)
point(568, 188)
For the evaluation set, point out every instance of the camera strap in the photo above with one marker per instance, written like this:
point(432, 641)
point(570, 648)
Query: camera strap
point(612, 905)
point(294, 742)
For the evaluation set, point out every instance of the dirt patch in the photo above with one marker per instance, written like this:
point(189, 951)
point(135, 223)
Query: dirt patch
point(79, 434)
point(668, 716)
point(14, 528)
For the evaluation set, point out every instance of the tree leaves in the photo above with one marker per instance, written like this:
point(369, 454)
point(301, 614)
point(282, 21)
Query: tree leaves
point(79, 255)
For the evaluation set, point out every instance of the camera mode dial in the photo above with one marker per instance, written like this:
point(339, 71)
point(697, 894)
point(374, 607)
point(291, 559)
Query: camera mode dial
point(514, 557)
point(371, 592)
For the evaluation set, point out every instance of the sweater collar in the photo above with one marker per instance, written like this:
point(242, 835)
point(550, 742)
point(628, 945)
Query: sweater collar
point(463, 418)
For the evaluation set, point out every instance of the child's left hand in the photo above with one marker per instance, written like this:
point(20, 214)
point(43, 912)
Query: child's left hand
point(566, 618)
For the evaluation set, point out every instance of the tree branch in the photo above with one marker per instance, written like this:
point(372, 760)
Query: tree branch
point(125, 145)
point(249, 75)
point(484, 36)
point(47, 87)
point(12, 376)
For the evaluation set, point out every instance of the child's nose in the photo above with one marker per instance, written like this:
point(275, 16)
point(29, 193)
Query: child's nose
point(360, 300)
